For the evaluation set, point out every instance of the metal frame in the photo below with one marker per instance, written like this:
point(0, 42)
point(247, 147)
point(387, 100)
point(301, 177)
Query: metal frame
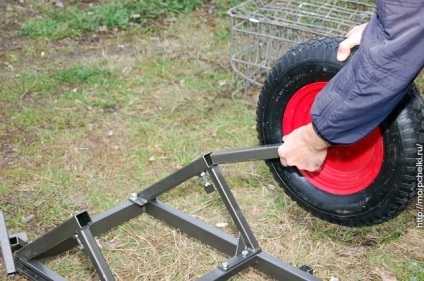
point(20, 257)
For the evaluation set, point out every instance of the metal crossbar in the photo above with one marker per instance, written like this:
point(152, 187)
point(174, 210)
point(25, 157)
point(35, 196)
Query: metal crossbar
point(20, 257)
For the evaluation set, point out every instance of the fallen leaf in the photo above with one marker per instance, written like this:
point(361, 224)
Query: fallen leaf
point(103, 28)
point(59, 4)
point(350, 251)
point(271, 186)
point(385, 275)
point(27, 219)
point(222, 82)
point(221, 224)
point(109, 246)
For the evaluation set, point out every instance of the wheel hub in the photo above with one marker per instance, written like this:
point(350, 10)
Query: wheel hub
point(346, 169)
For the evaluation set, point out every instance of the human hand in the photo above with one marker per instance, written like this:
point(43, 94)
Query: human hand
point(353, 39)
point(304, 149)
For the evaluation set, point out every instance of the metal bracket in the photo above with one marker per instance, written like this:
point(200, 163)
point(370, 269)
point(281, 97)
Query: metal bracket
point(209, 187)
point(135, 198)
point(26, 259)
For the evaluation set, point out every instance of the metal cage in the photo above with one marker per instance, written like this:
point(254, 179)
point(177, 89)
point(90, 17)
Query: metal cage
point(263, 30)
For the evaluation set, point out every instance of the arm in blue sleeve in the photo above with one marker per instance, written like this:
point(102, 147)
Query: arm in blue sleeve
point(378, 74)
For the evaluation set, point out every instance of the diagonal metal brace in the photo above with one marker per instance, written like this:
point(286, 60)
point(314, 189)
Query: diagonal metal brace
point(5, 247)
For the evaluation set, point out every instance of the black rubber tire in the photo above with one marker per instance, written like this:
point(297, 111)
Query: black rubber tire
point(394, 187)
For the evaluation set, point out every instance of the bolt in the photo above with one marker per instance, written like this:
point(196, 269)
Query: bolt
point(206, 184)
point(134, 196)
point(204, 178)
point(244, 253)
point(81, 246)
point(225, 265)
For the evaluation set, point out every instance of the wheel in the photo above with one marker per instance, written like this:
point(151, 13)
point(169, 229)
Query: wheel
point(365, 183)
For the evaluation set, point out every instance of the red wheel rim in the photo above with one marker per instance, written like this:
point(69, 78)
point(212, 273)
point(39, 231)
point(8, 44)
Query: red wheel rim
point(347, 169)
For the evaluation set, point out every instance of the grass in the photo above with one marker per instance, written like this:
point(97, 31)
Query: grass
point(74, 20)
point(89, 115)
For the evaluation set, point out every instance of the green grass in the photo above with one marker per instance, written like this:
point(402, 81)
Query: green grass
point(87, 117)
point(74, 21)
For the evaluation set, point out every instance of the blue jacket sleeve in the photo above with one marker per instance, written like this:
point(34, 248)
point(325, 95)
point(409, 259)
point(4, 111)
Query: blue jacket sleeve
point(377, 75)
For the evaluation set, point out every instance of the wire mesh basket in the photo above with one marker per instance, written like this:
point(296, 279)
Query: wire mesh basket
point(263, 30)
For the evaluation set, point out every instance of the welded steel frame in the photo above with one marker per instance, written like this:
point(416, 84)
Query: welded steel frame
point(20, 257)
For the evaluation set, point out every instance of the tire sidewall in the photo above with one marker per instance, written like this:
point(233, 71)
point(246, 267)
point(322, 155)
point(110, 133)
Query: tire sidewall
point(280, 91)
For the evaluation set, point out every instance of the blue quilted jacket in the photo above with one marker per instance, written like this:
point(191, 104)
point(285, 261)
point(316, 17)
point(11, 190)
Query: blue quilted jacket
point(376, 77)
